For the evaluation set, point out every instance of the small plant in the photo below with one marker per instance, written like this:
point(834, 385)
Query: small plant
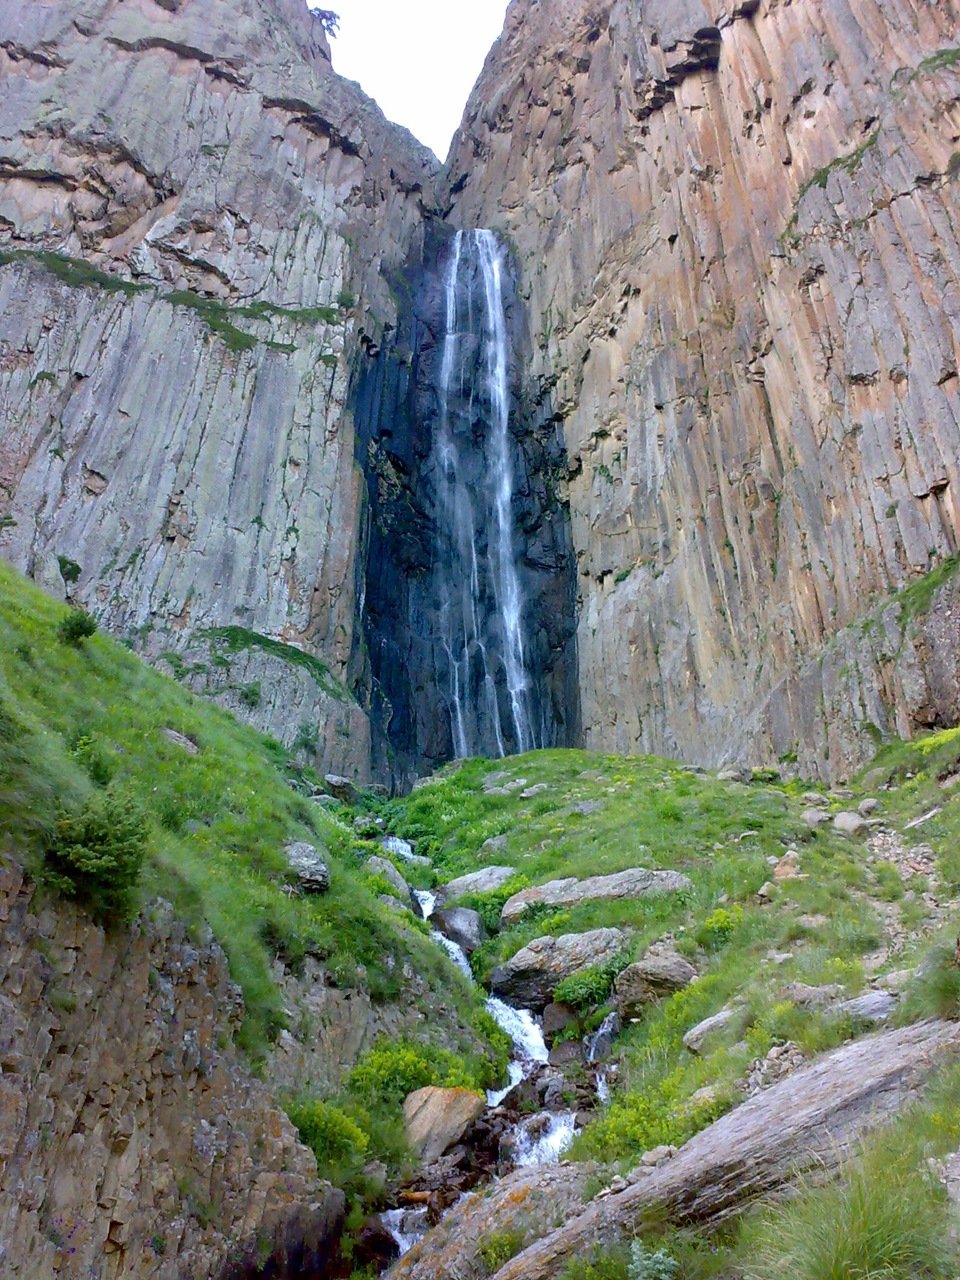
point(250, 694)
point(307, 740)
point(69, 569)
point(75, 627)
point(96, 852)
point(589, 986)
point(651, 1264)
point(333, 1137)
point(935, 991)
point(392, 1069)
point(91, 756)
point(719, 927)
point(499, 1247)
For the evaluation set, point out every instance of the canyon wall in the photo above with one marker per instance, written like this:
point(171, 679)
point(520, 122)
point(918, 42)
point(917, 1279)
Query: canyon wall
point(133, 1141)
point(736, 226)
point(177, 450)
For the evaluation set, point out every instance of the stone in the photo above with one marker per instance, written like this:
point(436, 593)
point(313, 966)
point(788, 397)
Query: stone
point(815, 818)
point(536, 790)
point(787, 867)
point(695, 1039)
point(529, 977)
point(437, 1118)
point(808, 997)
point(460, 925)
point(659, 973)
point(868, 806)
point(495, 847)
point(377, 866)
point(657, 1156)
point(767, 892)
point(815, 798)
point(182, 741)
point(310, 866)
point(873, 1007)
point(849, 824)
point(342, 789)
point(637, 882)
point(556, 1018)
point(586, 808)
point(394, 903)
point(734, 775)
point(483, 881)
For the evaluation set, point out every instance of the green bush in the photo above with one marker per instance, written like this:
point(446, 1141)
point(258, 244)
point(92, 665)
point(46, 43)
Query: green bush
point(333, 1137)
point(392, 1069)
point(499, 1247)
point(651, 1264)
point(96, 852)
point(76, 626)
point(719, 927)
point(935, 991)
point(590, 986)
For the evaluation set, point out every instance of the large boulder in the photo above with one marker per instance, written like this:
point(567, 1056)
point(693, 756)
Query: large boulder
point(312, 870)
point(697, 1036)
point(460, 925)
point(530, 976)
point(484, 881)
point(437, 1118)
point(661, 972)
point(382, 867)
point(637, 882)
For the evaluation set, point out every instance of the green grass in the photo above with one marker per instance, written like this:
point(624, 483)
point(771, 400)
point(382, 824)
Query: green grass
point(232, 640)
point(75, 719)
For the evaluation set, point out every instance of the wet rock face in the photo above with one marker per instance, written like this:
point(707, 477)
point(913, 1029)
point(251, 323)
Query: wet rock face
point(176, 428)
point(737, 238)
point(400, 409)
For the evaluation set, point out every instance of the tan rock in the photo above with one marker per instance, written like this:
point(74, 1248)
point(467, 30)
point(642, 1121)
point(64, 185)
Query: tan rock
point(637, 882)
point(437, 1118)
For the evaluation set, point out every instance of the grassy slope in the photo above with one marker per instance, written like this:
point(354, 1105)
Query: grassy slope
point(217, 820)
point(829, 925)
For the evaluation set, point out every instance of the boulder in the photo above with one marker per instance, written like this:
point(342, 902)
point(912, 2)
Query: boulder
point(484, 881)
point(529, 977)
point(493, 848)
point(343, 789)
point(312, 871)
point(873, 1007)
point(637, 882)
point(394, 904)
point(556, 1018)
point(382, 867)
point(437, 1118)
point(868, 806)
point(659, 973)
point(697, 1036)
point(849, 823)
point(807, 997)
point(460, 925)
point(815, 818)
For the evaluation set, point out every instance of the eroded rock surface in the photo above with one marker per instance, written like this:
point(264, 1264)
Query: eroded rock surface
point(637, 882)
point(737, 233)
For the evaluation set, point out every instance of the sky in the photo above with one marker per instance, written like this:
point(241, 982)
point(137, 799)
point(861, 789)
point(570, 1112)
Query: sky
point(418, 59)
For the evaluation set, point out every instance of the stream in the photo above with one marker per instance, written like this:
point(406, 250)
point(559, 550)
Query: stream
point(541, 1138)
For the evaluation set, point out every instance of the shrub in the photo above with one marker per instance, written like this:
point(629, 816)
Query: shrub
point(589, 986)
point(489, 905)
point(719, 927)
point(330, 1133)
point(76, 626)
point(96, 851)
point(392, 1069)
point(935, 991)
point(651, 1264)
point(92, 758)
point(499, 1247)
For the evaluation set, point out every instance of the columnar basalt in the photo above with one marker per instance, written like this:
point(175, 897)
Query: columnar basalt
point(177, 452)
point(736, 230)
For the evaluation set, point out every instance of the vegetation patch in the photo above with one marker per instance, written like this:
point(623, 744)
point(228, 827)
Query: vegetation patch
point(231, 640)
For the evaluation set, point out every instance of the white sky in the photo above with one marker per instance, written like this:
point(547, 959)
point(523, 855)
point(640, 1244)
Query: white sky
point(418, 59)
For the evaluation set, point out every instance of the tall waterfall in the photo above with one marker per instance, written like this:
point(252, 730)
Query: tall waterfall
point(481, 656)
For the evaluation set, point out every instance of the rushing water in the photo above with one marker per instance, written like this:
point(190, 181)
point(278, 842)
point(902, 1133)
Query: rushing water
point(487, 683)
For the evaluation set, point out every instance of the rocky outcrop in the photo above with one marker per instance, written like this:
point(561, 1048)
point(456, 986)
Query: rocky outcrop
point(530, 976)
point(737, 237)
point(483, 881)
point(178, 451)
point(636, 882)
point(437, 1118)
point(312, 870)
point(525, 1202)
point(810, 1120)
point(133, 1142)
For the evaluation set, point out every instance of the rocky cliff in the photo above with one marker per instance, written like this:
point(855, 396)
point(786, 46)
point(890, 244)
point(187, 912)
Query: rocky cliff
point(132, 1139)
point(736, 224)
point(177, 452)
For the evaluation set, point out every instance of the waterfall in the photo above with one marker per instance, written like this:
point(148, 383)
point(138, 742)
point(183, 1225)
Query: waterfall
point(482, 662)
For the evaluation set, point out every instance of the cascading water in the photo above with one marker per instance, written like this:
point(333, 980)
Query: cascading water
point(481, 653)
